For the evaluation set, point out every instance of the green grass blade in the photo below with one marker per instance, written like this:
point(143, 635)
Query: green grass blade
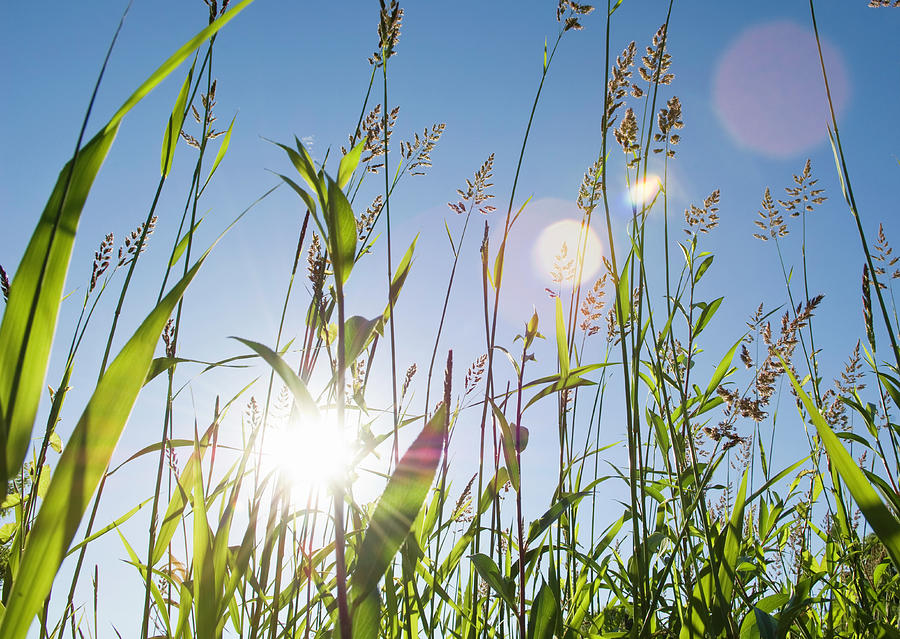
point(175, 124)
point(883, 523)
point(399, 505)
point(342, 231)
point(544, 613)
point(29, 321)
point(83, 463)
point(349, 163)
point(489, 571)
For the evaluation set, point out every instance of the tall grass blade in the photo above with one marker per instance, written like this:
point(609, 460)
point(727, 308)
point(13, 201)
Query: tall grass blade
point(82, 464)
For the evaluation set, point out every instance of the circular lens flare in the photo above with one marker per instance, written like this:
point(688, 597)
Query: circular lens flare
point(556, 253)
point(644, 191)
point(768, 90)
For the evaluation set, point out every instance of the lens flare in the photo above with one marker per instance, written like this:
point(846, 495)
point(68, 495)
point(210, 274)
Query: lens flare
point(556, 252)
point(643, 191)
point(768, 91)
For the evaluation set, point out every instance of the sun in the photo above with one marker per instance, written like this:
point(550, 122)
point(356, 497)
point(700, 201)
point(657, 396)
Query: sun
point(557, 247)
point(309, 456)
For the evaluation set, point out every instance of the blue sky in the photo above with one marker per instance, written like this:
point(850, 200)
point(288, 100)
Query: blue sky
point(744, 72)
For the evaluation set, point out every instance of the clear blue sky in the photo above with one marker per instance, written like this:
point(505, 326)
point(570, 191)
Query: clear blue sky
point(744, 72)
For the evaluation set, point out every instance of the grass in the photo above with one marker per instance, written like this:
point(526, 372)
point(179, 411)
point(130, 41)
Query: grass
point(807, 548)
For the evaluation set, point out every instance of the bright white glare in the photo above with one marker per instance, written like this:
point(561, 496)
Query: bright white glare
point(644, 191)
point(310, 457)
point(549, 256)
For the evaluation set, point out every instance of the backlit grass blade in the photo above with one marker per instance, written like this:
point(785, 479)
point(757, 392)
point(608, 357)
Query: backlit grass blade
point(489, 571)
point(175, 124)
point(29, 321)
point(544, 613)
point(399, 505)
point(302, 397)
point(83, 463)
point(883, 523)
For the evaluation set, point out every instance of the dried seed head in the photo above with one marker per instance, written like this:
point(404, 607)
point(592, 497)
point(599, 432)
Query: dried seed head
point(705, 219)
point(474, 374)
point(366, 220)
point(418, 153)
point(563, 266)
point(617, 87)
point(626, 134)
point(390, 20)
point(591, 188)
point(168, 338)
point(136, 242)
point(475, 193)
point(867, 307)
point(882, 4)
point(4, 285)
point(669, 120)
point(190, 139)
point(772, 222)
point(803, 197)
point(655, 64)
point(568, 13)
point(883, 255)
point(377, 141)
point(101, 261)
point(592, 307)
point(410, 373)
point(316, 261)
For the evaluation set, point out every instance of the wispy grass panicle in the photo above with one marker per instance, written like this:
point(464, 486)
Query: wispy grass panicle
point(476, 192)
point(102, 257)
point(703, 220)
point(474, 374)
point(883, 255)
point(668, 121)
point(4, 284)
point(590, 191)
point(129, 249)
point(407, 379)
point(389, 23)
point(772, 223)
point(365, 221)
point(378, 129)
point(569, 12)
point(592, 307)
point(418, 152)
point(656, 62)
point(627, 137)
point(802, 198)
point(617, 86)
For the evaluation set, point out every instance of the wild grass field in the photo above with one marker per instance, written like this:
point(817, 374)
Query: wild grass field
point(394, 461)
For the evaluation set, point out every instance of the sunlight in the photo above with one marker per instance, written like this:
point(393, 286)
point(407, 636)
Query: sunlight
point(644, 191)
point(557, 247)
point(310, 456)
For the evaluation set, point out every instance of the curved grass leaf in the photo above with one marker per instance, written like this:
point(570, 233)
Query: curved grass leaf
point(883, 523)
point(544, 613)
point(83, 463)
point(342, 231)
point(349, 163)
point(489, 571)
point(29, 321)
point(175, 124)
point(398, 506)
